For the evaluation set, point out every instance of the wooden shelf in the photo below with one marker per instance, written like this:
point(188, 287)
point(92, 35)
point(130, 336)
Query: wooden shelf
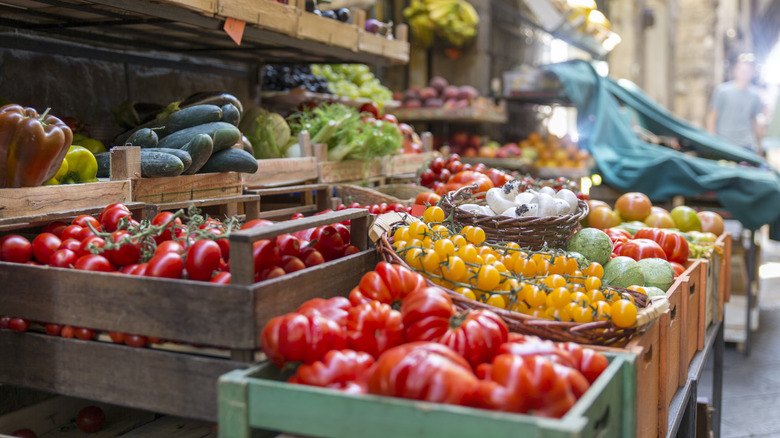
point(297, 96)
point(539, 97)
point(274, 31)
point(481, 111)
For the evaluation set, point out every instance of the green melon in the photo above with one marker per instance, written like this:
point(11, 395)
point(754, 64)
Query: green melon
point(658, 273)
point(654, 291)
point(592, 243)
point(623, 272)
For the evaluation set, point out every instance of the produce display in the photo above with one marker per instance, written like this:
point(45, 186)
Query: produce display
point(353, 81)
point(283, 77)
point(552, 151)
point(427, 350)
point(439, 94)
point(443, 176)
point(511, 200)
point(454, 21)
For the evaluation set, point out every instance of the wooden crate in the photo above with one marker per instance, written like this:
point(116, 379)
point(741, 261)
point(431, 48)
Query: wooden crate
point(126, 165)
point(226, 316)
point(247, 206)
point(257, 399)
point(39, 220)
point(308, 199)
point(281, 172)
point(265, 14)
point(672, 372)
point(399, 165)
point(26, 203)
point(652, 411)
point(325, 30)
point(693, 292)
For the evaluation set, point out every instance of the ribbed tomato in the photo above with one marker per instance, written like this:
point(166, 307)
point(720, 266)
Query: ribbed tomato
point(388, 284)
point(298, 338)
point(465, 178)
point(374, 327)
point(335, 309)
point(674, 244)
point(639, 249)
point(344, 370)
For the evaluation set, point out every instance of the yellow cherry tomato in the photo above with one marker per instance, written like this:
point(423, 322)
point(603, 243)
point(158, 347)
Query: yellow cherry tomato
point(475, 235)
point(534, 296)
point(444, 247)
point(468, 253)
point(524, 266)
point(603, 310)
point(488, 278)
point(433, 214)
point(592, 283)
point(595, 296)
point(441, 230)
point(558, 297)
point(489, 259)
point(431, 261)
point(582, 314)
point(459, 240)
point(639, 289)
point(455, 269)
point(623, 313)
point(418, 230)
point(558, 314)
point(497, 300)
point(554, 280)
point(594, 270)
point(580, 299)
point(401, 234)
point(520, 307)
point(399, 245)
point(466, 292)
point(414, 258)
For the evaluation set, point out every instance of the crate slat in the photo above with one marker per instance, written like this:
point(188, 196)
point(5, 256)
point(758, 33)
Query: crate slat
point(263, 13)
point(36, 201)
point(330, 32)
point(282, 171)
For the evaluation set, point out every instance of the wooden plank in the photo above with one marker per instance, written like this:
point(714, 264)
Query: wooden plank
point(265, 14)
point(403, 164)
point(136, 208)
point(672, 338)
point(652, 414)
point(395, 49)
point(282, 171)
point(125, 163)
point(152, 209)
point(187, 187)
point(352, 170)
point(288, 189)
point(693, 317)
point(173, 427)
point(327, 31)
point(159, 381)
point(204, 7)
point(36, 201)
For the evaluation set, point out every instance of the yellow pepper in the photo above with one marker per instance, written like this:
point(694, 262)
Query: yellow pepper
point(90, 144)
point(82, 166)
point(55, 180)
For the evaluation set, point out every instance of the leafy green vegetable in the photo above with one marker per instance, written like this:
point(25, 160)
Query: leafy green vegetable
point(268, 132)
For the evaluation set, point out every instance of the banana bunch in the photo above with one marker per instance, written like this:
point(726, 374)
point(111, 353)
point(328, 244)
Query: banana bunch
point(455, 21)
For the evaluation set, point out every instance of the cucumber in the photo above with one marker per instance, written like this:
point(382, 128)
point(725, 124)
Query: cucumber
point(230, 114)
point(230, 160)
point(104, 164)
point(153, 164)
point(144, 137)
point(160, 164)
point(222, 134)
point(182, 119)
point(199, 148)
point(181, 154)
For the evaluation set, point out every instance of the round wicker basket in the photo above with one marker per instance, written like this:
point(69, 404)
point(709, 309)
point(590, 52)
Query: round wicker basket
point(528, 232)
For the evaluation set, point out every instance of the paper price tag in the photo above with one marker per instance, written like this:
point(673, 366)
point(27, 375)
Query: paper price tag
point(235, 29)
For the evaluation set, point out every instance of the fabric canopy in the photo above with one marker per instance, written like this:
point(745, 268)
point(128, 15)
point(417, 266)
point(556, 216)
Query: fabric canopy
point(750, 194)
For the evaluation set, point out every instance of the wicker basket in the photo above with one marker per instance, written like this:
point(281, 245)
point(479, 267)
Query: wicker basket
point(365, 196)
point(528, 232)
point(593, 333)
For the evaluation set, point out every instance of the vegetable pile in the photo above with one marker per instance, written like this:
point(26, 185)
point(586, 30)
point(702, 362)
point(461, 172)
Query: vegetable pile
point(509, 201)
point(427, 350)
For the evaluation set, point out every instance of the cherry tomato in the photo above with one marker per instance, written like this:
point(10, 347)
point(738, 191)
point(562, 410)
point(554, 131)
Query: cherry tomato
point(136, 341)
point(203, 259)
point(44, 245)
point(19, 325)
point(161, 219)
point(374, 209)
point(56, 228)
point(370, 108)
point(15, 249)
point(110, 218)
point(68, 332)
point(390, 118)
point(135, 269)
point(454, 166)
point(85, 334)
point(341, 207)
point(256, 223)
point(311, 257)
point(169, 246)
point(109, 207)
point(53, 329)
point(128, 253)
point(71, 231)
point(437, 165)
point(427, 177)
point(93, 262)
point(288, 245)
point(297, 216)
point(85, 233)
point(444, 175)
point(266, 254)
point(291, 264)
point(63, 258)
point(165, 265)
point(90, 419)
point(5, 321)
point(84, 219)
point(90, 242)
point(71, 244)
point(221, 278)
point(117, 337)
point(396, 207)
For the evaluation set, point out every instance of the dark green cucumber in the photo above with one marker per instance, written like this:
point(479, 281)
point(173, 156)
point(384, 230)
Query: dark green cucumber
point(230, 114)
point(144, 137)
point(176, 121)
point(104, 164)
point(160, 164)
point(181, 154)
point(199, 148)
point(230, 160)
point(222, 134)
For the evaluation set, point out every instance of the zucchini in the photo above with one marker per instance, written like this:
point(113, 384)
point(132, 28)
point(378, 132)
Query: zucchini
point(144, 137)
point(230, 160)
point(104, 164)
point(222, 134)
point(213, 98)
point(160, 164)
point(230, 114)
point(181, 154)
point(176, 121)
point(199, 148)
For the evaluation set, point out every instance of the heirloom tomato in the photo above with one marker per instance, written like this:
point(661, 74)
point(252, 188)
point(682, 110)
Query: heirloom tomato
point(388, 284)
point(674, 244)
point(336, 309)
point(299, 338)
point(374, 327)
point(344, 370)
point(639, 249)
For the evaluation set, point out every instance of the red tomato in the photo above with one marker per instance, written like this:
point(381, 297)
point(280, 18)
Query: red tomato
point(135, 269)
point(428, 315)
point(454, 166)
point(427, 177)
point(678, 269)
point(44, 245)
point(109, 207)
point(5, 321)
point(203, 259)
point(390, 118)
point(298, 338)
point(128, 252)
point(351, 249)
point(343, 230)
point(343, 370)
point(256, 223)
point(71, 244)
point(618, 235)
point(396, 207)
point(355, 205)
point(68, 332)
point(444, 176)
point(374, 209)
point(56, 228)
point(19, 325)
point(71, 232)
point(136, 341)
point(165, 265)
point(93, 262)
point(288, 245)
point(465, 178)
point(53, 329)
point(639, 249)
point(89, 243)
point(336, 309)
point(291, 264)
point(498, 177)
point(167, 233)
point(427, 198)
point(588, 361)
point(63, 258)
point(85, 233)
point(90, 419)
point(117, 337)
point(329, 242)
point(311, 257)
point(424, 371)
point(383, 207)
point(221, 278)
point(266, 254)
point(374, 327)
point(479, 167)
point(388, 284)
point(83, 219)
point(15, 249)
point(370, 108)
point(85, 334)
point(169, 246)
point(111, 218)
point(269, 273)
point(674, 244)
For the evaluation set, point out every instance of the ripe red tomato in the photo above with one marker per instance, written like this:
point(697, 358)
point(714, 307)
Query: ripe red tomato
point(85, 233)
point(165, 265)
point(83, 219)
point(117, 337)
point(291, 264)
point(297, 216)
point(111, 218)
point(136, 341)
point(329, 242)
point(85, 334)
point(427, 198)
point(109, 207)
point(396, 207)
point(343, 370)
point(63, 258)
point(498, 177)
point(68, 332)
point(639, 249)
point(56, 228)
point(93, 262)
point(428, 315)
point(88, 243)
point(335, 309)
point(678, 269)
point(71, 244)
point(427, 177)
point(266, 254)
point(465, 178)
point(444, 176)
point(168, 232)
point(388, 284)
point(288, 245)
point(135, 269)
point(454, 166)
point(370, 108)
point(588, 361)
point(256, 223)
point(44, 245)
point(298, 338)
point(424, 371)
point(71, 231)
point(374, 327)
point(15, 249)
point(221, 278)
point(390, 118)
point(351, 249)
point(19, 325)
point(90, 419)
point(437, 165)
point(269, 273)
point(169, 246)
point(128, 252)
point(311, 257)
point(53, 329)
point(203, 259)
point(674, 244)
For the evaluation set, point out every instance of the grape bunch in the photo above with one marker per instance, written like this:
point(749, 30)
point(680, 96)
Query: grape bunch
point(282, 78)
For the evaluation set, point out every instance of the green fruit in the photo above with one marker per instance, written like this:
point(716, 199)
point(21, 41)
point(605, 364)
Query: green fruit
point(685, 218)
point(592, 243)
point(623, 272)
point(581, 259)
point(658, 273)
point(654, 291)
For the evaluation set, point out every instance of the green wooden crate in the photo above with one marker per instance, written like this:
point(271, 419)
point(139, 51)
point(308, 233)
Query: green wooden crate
point(258, 398)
